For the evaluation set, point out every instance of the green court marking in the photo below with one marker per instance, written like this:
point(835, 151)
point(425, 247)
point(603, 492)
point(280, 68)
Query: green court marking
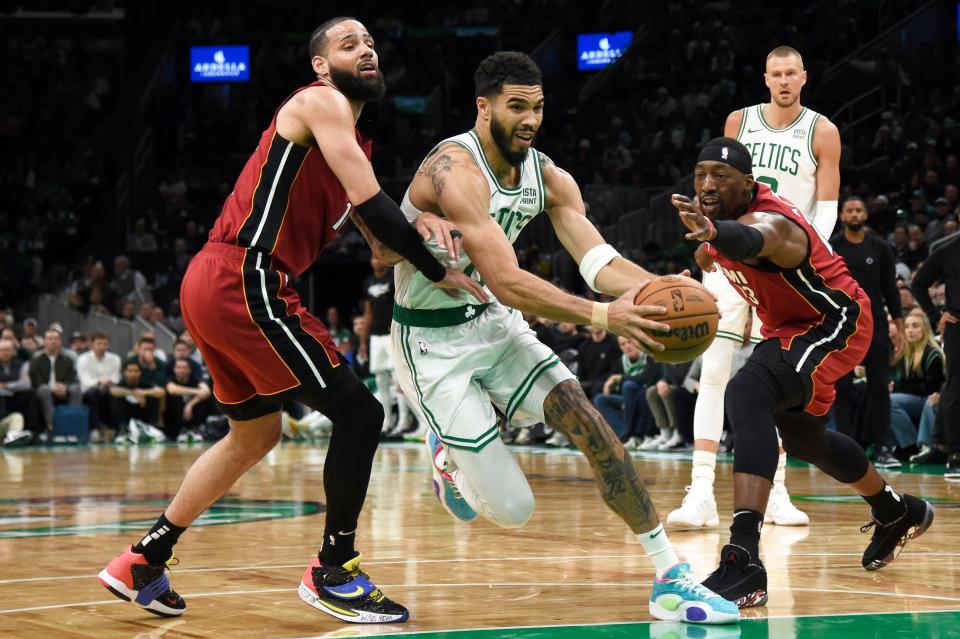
point(932, 625)
point(227, 510)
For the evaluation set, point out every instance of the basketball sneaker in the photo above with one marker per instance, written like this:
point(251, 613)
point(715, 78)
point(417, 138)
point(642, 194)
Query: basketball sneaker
point(443, 483)
point(698, 510)
point(677, 596)
point(347, 593)
point(889, 538)
point(131, 577)
point(781, 511)
point(738, 579)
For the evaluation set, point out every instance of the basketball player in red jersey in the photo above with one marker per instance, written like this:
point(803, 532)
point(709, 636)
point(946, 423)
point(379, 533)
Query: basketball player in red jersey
point(310, 171)
point(817, 326)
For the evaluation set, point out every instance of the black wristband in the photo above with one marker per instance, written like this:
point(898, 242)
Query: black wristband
point(389, 225)
point(736, 241)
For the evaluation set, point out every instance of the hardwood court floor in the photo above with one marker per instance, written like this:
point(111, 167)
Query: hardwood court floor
point(573, 571)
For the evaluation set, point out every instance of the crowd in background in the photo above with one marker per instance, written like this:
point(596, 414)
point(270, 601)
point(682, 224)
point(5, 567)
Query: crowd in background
point(690, 66)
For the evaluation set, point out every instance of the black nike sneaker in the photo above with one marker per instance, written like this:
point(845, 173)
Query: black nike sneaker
point(738, 579)
point(347, 593)
point(889, 538)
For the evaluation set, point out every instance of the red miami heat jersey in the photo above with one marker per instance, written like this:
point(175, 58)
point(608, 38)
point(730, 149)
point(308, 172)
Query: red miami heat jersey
point(790, 301)
point(287, 203)
point(817, 310)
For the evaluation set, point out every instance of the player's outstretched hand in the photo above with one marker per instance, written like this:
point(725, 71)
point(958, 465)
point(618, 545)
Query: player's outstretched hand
point(628, 320)
point(431, 226)
point(456, 279)
point(700, 227)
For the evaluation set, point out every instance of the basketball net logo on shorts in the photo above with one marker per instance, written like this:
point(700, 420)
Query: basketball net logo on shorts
point(739, 282)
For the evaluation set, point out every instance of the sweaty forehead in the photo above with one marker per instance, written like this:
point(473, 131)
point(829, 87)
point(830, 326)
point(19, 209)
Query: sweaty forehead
point(530, 93)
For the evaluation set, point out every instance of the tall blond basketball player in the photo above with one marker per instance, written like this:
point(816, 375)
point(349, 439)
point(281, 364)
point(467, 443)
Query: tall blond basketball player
point(796, 152)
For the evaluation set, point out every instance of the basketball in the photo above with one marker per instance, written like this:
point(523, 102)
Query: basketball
point(691, 313)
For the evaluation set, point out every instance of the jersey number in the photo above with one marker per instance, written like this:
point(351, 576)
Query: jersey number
point(769, 181)
point(749, 294)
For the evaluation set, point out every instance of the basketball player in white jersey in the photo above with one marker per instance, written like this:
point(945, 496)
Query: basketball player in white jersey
point(457, 358)
point(796, 152)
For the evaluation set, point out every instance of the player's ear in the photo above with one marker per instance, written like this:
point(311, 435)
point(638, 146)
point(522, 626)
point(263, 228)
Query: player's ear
point(484, 107)
point(748, 182)
point(320, 66)
point(804, 78)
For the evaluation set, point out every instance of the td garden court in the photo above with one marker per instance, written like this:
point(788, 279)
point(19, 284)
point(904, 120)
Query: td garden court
point(574, 571)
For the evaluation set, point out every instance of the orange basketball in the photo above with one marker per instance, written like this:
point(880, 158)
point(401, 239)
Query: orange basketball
point(691, 313)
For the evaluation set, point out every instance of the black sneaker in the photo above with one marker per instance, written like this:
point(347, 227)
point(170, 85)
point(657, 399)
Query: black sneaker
point(738, 579)
point(889, 538)
point(953, 467)
point(347, 593)
point(929, 456)
point(886, 459)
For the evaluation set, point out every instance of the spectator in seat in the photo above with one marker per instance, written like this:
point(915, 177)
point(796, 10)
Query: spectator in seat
point(16, 393)
point(135, 398)
point(152, 370)
point(188, 400)
point(53, 376)
point(127, 282)
point(916, 377)
point(98, 369)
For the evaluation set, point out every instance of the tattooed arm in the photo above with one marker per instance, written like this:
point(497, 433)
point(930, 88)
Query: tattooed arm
point(450, 183)
point(569, 411)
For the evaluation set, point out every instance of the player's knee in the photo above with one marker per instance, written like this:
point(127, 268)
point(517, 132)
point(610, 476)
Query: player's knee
point(716, 362)
point(744, 397)
point(516, 509)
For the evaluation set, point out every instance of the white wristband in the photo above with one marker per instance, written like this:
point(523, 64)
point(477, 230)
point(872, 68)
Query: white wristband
point(594, 260)
point(598, 315)
point(825, 217)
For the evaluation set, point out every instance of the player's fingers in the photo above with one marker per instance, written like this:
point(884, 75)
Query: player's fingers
point(649, 342)
point(650, 324)
point(685, 272)
point(456, 237)
point(474, 288)
point(424, 231)
point(447, 241)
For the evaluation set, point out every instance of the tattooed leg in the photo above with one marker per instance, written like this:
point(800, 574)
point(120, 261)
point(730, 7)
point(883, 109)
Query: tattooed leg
point(568, 410)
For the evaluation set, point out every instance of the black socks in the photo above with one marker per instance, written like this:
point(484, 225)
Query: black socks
point(157, 545)
point(887, 505)
point(745, 532)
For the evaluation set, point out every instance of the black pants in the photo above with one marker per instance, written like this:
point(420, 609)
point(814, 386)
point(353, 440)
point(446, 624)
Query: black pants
point(684, 405)
point(123, 411)
point(950, 398)
point(871, 414)
point(100, 403)
point(173, 421)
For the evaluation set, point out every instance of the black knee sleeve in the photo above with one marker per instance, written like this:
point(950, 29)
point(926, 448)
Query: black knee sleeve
point(750, 401)
point(806, 437)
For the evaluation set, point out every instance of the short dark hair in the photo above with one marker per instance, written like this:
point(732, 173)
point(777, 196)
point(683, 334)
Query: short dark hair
point(99, 335)
point(505, 67)
point(132, 362)
point(317, 45)
point(146, 339)
point(853, 198)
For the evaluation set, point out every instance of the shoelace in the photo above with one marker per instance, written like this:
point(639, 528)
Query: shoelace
point(880, 525)
point(685, 582)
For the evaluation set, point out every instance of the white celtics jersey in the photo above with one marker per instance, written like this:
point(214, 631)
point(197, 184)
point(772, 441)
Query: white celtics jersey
point(512, 208)
point(783, 158)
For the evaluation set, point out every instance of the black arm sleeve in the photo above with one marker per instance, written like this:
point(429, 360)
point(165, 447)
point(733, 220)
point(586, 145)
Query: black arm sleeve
point(737, 241)
point(888, 279)
point(929, 273)
point(389, 225)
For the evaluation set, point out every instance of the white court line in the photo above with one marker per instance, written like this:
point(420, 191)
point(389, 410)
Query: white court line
point(388, 562)
point(628, 623)
point(488, 584)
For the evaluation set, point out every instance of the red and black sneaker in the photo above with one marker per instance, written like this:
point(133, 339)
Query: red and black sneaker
point(347, 593)
point(738, 578)
point(132, 578)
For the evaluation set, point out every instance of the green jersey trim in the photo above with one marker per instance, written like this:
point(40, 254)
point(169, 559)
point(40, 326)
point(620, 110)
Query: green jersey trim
point(813, 128)
point(437, 317)
point(493, 176)
point(539, 171)
point(527, 384)
point(803, 112)
point(743, 122)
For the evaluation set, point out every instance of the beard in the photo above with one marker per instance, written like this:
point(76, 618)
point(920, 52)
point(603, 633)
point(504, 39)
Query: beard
point(854, 226)
point(785, 104)
point(502, 139)
point(358, 88)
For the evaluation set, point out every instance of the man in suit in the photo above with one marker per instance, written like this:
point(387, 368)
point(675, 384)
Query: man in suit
point(53, 376)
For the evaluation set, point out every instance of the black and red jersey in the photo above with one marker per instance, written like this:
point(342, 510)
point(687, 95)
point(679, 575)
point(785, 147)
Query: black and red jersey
point(287, 202)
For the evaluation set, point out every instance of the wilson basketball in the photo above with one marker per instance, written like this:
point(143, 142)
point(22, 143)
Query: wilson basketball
point(691, 313)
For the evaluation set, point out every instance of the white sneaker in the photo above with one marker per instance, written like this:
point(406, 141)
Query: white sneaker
point(650, 442)
point(558, 439)
point(698, 510)
point(675, 440)
point(781, 511)
point(632, 444)
point(665, 436)
point(523, 437)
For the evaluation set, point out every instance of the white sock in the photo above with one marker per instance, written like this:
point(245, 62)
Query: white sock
point(781, 473)
point(658, 548)
point(704, 469)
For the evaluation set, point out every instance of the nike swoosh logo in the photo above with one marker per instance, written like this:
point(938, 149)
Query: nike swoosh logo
point(754, 130)
point(343, 533)
point(656, 533)
point(355, 593)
